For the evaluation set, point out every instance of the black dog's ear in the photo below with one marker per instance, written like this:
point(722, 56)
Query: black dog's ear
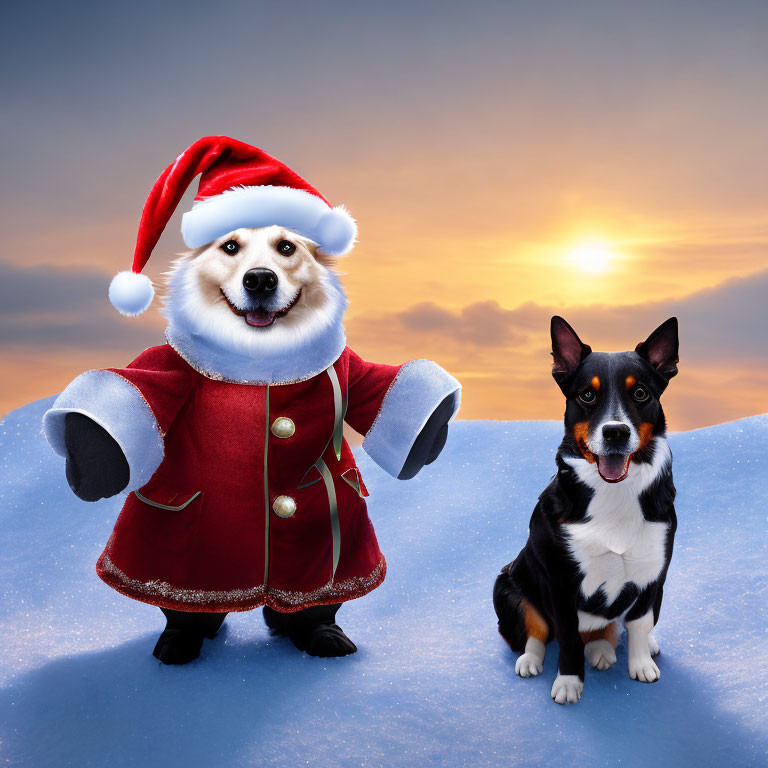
point(567, 349)
point(660, 349)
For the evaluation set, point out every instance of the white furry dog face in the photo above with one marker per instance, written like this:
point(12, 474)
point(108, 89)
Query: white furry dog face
point(211, 293)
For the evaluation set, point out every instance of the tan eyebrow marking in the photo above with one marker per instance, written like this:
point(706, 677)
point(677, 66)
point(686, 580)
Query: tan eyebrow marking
point(630, 382)
point(595, 383)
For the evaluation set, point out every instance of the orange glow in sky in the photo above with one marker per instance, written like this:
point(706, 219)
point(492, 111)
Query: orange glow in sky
point(508, 162)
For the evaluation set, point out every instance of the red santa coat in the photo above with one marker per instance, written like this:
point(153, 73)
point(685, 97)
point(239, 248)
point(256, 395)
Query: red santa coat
point(257, 498)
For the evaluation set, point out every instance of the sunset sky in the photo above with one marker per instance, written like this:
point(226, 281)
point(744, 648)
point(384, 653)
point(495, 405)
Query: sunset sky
point(478, 144)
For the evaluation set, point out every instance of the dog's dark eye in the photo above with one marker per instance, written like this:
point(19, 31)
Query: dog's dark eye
point(588, 396)
point(231, 247)
point(640, 394)
point(286, 248)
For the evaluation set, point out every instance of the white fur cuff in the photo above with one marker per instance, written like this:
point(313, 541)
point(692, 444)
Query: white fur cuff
point(420, 386)
point(117, 406)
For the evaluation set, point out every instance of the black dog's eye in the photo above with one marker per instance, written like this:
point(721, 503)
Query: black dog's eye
point(231, 247)
point(588, 396)
point(640, 394)
point(286, 248)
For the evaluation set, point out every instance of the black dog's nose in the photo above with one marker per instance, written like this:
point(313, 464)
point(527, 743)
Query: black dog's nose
point(615, 433)
point(259, 281)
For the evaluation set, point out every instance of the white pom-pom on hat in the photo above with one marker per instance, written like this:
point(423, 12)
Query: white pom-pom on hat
point(131, 293)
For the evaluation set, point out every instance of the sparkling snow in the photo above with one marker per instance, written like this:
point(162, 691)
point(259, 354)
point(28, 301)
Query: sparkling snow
point(432, 683)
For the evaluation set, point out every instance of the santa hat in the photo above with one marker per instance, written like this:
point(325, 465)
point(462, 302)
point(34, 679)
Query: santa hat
point(240, 186)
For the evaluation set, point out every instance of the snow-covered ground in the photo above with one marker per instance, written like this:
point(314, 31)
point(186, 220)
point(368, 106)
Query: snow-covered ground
point(433, 683)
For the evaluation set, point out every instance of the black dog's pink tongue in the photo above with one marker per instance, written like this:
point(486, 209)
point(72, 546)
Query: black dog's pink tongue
point(612, 468)
point(259, 318)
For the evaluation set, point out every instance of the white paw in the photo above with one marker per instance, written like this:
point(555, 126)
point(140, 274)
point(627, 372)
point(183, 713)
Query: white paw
point(567, 688)
point(653, 645)
point(643, 669)
point(528, 665)
point(601, 654)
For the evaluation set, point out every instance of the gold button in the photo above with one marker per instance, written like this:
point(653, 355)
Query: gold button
point(283, 427)
point(284, 506)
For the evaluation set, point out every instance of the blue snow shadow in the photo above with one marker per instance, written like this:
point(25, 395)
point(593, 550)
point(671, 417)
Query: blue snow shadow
point(433, 683)
point(270, 705)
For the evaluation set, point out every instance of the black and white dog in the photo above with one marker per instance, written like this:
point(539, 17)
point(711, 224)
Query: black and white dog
point(602, 532)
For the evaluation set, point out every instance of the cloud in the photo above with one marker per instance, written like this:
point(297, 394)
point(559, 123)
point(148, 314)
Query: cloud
point(29, 290)
point(727, 322)
point(483, 324)
point(51, 307)
point(504, 362)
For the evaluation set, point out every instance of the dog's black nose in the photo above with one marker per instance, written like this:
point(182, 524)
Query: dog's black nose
point(259, 281)
point(616, 433)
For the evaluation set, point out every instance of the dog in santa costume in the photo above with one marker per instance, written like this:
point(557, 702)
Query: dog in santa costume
point(242, 491)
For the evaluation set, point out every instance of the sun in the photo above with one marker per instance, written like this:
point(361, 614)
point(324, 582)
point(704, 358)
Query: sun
point(591, 258)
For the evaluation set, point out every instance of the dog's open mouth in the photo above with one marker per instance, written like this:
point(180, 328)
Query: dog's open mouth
point(614, 467)
point(261, 318)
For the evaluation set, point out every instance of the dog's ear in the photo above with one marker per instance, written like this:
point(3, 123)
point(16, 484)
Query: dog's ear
point(660, 349)
point(567, 349)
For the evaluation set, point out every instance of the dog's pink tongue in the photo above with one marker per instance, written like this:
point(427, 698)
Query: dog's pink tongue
point(612, 468)
point(259, 318)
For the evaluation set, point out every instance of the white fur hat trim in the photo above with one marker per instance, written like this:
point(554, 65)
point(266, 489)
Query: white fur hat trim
point(333, 229)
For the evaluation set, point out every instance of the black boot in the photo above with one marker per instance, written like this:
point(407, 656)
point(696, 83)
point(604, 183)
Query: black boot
point(312, 630)
point(183, 635)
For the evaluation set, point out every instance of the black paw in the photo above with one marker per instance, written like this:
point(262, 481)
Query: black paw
point(96, 467)
point(278, 623)
point(430, 441)
point(312, 631)
point(328, 641)
point(178, 646)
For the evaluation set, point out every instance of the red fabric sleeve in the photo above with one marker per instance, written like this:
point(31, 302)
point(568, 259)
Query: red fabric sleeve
point(164, 381)
point(368, 384)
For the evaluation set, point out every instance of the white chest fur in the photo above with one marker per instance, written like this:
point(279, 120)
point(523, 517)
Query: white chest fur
point(615, 545)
